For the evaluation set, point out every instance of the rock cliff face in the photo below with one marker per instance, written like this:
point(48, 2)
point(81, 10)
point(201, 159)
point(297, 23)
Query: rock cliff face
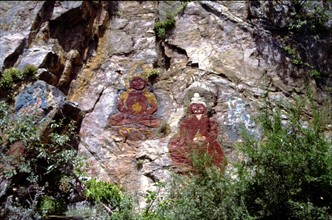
point(233, 53)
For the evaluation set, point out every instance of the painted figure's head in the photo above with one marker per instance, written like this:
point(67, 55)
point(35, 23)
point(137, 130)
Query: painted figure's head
point(197, 109)
point(138, 83)
point(197, 105)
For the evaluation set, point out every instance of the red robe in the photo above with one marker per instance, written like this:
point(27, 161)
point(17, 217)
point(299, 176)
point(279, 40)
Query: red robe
point(183, 143)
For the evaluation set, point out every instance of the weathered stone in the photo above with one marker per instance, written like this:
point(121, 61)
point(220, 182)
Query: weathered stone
point(119, 43)
point(228, 51)
point(237, 8)
point(43, 57)
point(61, 8)
point(18, 17)
point(11, 46)
point(40, 100)
point(15, 24)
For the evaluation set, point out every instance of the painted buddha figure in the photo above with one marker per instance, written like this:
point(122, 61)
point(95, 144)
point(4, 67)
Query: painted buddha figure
point(197, 132)
point(136, 107)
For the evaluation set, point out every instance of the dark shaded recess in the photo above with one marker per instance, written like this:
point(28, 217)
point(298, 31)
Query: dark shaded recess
point(73, 31)
point(44, 15)
point(68, 113)
point(12, 58)
point(262, 42)
point(93, 44)
point(112, 7)
point(53, 64)
point(166, 61)
point(70, 29)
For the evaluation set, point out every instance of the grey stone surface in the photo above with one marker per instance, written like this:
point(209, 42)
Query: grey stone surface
point(221, 49)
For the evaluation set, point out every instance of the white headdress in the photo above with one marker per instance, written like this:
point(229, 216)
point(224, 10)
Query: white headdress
point(197, 99)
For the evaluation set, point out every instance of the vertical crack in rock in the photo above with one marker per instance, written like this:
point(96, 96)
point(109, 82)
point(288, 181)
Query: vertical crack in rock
point(97, 100)
point(79, 29)
point(165, 60)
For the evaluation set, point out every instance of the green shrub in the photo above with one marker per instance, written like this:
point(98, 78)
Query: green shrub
point(36, 168)
point(161, 27)
point(50, 206)
point(315, 73)
point(30, 71)
point(287, 174)
point(291, 166)
point(104, 192)
point(110, 199)
point(152, 75)
point(9, 76)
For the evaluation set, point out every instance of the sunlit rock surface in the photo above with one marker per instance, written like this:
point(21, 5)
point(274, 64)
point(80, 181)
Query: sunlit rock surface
point(228, 51)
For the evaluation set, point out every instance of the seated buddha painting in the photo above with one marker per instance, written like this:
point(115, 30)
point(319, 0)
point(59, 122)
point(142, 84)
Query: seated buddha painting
point(135, 119)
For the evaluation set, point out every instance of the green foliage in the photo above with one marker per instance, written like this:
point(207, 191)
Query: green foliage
point(30, 71)
point(290, 51)
point(285, 175)
point(291, 166)
point(161, 27)
point(315, 73)
point(37, 166)
point(11, 76)
point(109, 198)
point(152, 75)
point(104, 192)
point(295, 58)
point(309, 21)
point(50, 205)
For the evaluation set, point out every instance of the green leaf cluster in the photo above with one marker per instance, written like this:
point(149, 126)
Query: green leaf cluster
point(287, 174)
point(291, 165)
point(161, 27)
point(36, 167)
point(13, 75)
point(104, 192)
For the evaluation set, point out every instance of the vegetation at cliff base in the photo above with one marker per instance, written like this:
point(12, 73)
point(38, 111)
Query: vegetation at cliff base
point(286, 174)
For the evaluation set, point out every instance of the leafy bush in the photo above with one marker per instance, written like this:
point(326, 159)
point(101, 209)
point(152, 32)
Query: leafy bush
point(285, 175)
point(109, 199)
point(11, 76)
point(104, 192)
point(291, 166)
point(30, 71)
point(161, 27)
point(50, 205)
point(35, 167)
